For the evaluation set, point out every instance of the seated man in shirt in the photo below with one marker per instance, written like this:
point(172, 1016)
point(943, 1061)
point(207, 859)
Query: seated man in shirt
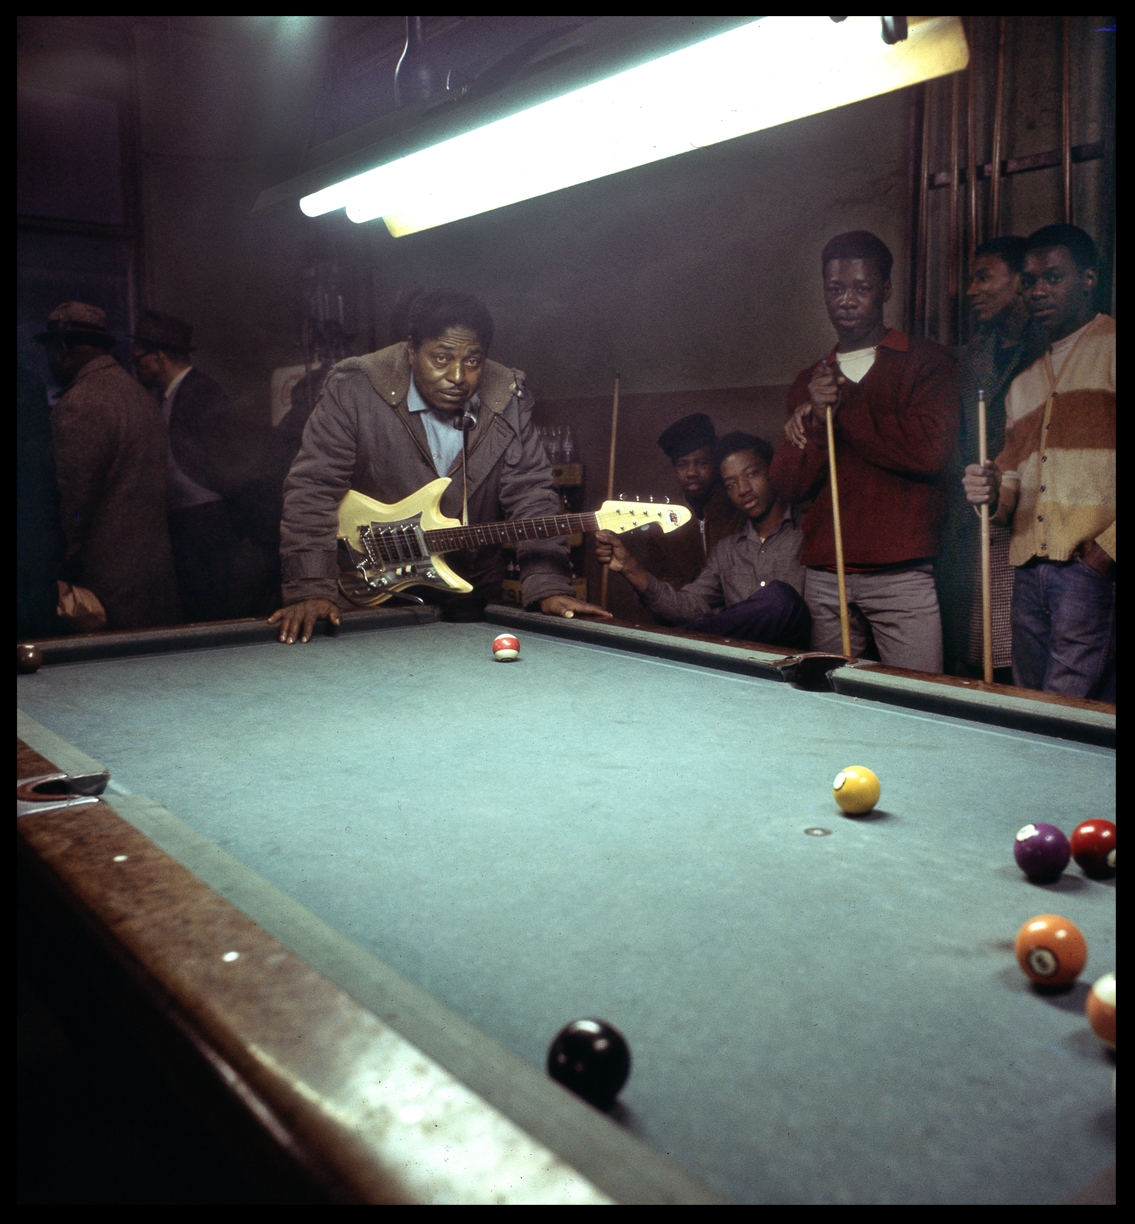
point(678, 557)
point(894, 401)
point(753, 582)
point(388, 423)
point(1053, 484)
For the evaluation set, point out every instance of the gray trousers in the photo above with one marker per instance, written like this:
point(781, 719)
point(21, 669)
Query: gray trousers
point(898, 607)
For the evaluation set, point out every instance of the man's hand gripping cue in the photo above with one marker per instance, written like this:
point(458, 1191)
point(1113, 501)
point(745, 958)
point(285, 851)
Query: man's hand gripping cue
point(822, 391)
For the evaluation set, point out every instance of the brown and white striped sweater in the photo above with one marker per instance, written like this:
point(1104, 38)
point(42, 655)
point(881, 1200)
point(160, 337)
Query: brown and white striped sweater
point(1058, 465)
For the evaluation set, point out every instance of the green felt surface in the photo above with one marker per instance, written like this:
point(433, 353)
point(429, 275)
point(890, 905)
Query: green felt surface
point(593, 832)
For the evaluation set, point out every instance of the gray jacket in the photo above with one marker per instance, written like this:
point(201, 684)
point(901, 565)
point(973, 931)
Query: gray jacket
point(361, 436)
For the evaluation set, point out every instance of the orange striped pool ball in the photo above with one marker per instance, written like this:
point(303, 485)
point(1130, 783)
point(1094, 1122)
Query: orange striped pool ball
point(1100, 1009)
point(1051, 950)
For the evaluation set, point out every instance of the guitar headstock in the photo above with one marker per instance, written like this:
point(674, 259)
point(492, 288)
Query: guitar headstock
point(620, 516)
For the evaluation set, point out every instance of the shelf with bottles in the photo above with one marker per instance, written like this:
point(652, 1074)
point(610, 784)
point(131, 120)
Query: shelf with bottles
point(559, 445)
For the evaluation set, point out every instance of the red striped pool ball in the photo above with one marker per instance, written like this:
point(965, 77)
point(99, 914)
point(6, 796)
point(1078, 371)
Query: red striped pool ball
point(1093, 847)
point(506, 648)
point(1042, 851)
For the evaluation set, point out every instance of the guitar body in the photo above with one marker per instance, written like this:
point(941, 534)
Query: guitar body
point(368, 580)
point(384, 549)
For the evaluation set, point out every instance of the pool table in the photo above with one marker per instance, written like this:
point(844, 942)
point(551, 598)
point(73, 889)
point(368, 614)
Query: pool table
point(354, 888)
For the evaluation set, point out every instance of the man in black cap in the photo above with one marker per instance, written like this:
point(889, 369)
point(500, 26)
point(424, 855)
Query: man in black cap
point(679, 556)
point(220, 574)
point(110, 448)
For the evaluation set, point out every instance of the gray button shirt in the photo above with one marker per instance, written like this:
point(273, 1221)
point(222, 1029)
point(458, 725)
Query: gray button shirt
point(738, 567)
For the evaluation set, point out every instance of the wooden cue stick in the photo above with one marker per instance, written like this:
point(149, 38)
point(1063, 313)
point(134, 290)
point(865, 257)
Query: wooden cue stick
point(986, 579)
point(844, 622)
point(971, 148)
point(1066, 118)
point(610, 482)
point(955, 216)
point(998, 126)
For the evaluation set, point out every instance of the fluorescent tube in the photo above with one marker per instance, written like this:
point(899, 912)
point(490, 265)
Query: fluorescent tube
point(771, 71)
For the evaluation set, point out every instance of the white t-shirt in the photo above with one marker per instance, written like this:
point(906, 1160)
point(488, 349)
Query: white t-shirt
point(1062, 348)
point(855, 365)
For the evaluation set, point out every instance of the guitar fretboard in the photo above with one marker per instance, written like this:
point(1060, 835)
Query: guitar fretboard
point(447, 539)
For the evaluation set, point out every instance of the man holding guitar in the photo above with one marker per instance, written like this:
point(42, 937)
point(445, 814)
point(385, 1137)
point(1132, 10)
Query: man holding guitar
point(392, 421)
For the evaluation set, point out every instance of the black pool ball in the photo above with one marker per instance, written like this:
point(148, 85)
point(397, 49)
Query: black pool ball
point(28, 659)
point(592, 1058)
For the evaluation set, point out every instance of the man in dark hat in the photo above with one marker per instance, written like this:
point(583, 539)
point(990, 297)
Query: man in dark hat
point(679, 556)
point(219, 573)
point(110, 447)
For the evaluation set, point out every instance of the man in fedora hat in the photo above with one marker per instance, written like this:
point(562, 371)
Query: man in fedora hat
point(220, 574)
point(110, 445)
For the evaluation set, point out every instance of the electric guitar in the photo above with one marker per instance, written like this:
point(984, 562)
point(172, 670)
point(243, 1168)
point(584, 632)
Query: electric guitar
point(383, 549)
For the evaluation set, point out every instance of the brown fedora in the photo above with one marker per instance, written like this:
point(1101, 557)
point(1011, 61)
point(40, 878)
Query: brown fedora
point(162, 331)
point(79, 322)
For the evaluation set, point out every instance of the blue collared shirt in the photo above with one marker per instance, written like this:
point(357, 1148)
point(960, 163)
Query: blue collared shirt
point(444, 440)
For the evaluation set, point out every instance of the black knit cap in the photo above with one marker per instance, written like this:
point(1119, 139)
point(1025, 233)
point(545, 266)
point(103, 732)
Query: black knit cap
point(689, 434)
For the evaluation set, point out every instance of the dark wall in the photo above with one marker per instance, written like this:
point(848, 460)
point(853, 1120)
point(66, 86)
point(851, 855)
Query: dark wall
point(697, 272)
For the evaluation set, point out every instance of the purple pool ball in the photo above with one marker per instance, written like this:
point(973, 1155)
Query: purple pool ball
point(1042, 851)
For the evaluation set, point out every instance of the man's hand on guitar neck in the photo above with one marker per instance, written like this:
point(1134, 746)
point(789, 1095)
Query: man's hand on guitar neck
point(298, 620)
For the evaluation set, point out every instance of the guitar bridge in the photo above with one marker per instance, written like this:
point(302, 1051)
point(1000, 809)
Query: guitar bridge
point(393, 555)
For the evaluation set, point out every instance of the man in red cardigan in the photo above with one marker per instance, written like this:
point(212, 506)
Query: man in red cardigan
point(894, 401)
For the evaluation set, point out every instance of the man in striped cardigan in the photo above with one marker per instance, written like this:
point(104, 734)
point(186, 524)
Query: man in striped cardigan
point(1053, 484)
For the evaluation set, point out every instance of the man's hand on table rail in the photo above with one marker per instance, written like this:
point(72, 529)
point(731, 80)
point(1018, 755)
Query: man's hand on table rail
point(297, 621)
point(568, 605)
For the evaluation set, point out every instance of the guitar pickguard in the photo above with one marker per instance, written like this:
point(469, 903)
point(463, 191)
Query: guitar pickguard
point(382, 549)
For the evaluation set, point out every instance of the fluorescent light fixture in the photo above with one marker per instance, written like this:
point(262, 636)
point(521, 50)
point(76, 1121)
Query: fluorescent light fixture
point(771, 71)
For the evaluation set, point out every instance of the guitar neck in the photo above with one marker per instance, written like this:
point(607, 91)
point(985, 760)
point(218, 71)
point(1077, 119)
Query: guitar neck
point(449, 539)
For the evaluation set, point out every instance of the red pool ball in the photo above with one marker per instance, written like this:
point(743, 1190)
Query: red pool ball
point(1093, 847)
point(1051, 950)
point(506, 648)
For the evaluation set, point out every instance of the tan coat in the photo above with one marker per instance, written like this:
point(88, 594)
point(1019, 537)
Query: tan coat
point(110, 459)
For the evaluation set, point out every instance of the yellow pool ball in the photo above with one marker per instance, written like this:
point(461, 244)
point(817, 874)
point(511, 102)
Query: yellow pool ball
point(856, 790)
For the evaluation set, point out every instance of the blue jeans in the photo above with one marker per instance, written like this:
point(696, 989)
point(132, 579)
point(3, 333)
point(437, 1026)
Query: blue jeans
point(1063, 617)
point(775, 615)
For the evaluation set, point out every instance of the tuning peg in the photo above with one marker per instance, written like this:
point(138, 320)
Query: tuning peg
point(622, 497)
point(667, 501)
point(650, 499)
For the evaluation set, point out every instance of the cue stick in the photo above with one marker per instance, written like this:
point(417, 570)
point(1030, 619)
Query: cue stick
point(998, 126)
point(844, 623)
point(1066, 118)
point(986, 580)
point(610, 482)
point(971, 149)
point(955, 202)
